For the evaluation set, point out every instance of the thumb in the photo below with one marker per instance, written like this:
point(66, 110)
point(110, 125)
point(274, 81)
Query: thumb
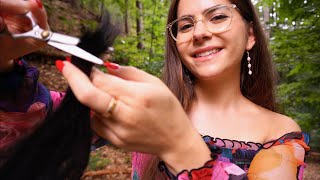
point(39, 13)
point(130, 73)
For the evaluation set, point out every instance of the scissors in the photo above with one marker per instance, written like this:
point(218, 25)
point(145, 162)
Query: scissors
point(60, 41)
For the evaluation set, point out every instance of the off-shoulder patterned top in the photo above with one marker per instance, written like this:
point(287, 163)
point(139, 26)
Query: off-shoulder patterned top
point(282, 158)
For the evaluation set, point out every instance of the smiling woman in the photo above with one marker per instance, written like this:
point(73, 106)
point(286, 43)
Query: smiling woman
point(218, 66)
point(213, 116)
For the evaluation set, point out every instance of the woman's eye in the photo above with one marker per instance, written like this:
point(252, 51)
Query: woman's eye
point(218, 18)
point(185, 27)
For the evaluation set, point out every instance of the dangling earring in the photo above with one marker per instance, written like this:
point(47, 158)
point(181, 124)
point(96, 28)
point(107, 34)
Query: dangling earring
point(249, 63)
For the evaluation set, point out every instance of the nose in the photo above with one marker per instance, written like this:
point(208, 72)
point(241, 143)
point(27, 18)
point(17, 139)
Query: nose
point(201, 31)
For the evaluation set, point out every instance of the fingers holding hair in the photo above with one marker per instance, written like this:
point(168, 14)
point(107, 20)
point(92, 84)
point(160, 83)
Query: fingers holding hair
point(82, 87)
point(88, 94)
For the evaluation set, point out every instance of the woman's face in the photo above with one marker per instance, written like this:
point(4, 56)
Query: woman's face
point(210, 55)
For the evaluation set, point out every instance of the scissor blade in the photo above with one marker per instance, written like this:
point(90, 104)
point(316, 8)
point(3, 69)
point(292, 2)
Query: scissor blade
point(76, 51)
point(65, 39)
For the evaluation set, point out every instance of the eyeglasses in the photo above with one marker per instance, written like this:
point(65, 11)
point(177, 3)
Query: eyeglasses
point(217, 20)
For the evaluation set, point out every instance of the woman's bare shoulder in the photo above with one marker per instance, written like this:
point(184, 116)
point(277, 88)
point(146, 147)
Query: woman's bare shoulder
point(280, 125)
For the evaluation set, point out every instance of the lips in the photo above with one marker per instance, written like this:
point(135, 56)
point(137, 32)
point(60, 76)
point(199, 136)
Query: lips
point(206, 53)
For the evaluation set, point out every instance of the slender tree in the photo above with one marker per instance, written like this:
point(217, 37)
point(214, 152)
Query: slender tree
point(139, 7)
point(126, 17)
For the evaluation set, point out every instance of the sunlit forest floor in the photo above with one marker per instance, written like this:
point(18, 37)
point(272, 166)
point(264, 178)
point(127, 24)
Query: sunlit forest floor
point(112, 163)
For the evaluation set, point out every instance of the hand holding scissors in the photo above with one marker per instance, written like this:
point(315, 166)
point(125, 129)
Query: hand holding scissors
point(63, 42)
point(13, 20)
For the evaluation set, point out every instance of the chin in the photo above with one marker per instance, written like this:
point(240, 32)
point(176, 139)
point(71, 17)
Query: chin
point(206, 76)
point(208, 71)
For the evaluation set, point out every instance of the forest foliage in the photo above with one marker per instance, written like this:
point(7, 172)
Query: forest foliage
point(291, 25)
point(294, 29)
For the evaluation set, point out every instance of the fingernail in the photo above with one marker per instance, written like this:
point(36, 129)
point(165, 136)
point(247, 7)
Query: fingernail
point(68, 58)
point(111, 65)
point(39, 4)
point(59, 65)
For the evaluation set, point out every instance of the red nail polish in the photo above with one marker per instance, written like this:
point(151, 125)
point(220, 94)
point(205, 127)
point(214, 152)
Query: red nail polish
point(39, 4)
point(111, 65)
point(59, 65)
point(68, 58)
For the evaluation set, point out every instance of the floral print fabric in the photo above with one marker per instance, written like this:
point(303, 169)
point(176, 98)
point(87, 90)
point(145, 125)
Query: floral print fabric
point(282, 158)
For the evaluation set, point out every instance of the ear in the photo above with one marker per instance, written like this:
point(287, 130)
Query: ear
point(251, 38)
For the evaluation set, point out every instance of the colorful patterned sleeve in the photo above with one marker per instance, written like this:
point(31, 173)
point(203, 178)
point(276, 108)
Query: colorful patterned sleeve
point(57, 98)
point(281, 158)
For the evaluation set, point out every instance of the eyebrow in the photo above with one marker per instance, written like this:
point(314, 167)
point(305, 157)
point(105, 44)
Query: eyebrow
point(204, 11)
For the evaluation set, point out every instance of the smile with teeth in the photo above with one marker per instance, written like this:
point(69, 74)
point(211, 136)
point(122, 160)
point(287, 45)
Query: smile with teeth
point(208, 53)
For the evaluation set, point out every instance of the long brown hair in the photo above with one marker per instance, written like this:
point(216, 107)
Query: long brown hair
point(259, 87)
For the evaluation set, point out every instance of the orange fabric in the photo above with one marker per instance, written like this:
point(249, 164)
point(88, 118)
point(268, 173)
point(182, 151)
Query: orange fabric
point(280, 161)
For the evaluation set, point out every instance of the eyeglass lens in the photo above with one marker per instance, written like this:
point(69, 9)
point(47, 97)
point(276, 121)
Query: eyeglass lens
point(217, 19)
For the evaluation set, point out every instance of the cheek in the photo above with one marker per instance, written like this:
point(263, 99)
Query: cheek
point(182, 50)
point(237, 42)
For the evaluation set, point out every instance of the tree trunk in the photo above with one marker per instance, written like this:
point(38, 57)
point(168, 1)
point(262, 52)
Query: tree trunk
point(126, 17)
point(139, 24)
point(266, 19)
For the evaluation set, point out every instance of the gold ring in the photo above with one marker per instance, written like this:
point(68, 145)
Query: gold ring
point(111, 106)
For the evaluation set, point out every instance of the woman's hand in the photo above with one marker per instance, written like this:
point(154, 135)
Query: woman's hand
point(13, 20)
point(146, 118)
